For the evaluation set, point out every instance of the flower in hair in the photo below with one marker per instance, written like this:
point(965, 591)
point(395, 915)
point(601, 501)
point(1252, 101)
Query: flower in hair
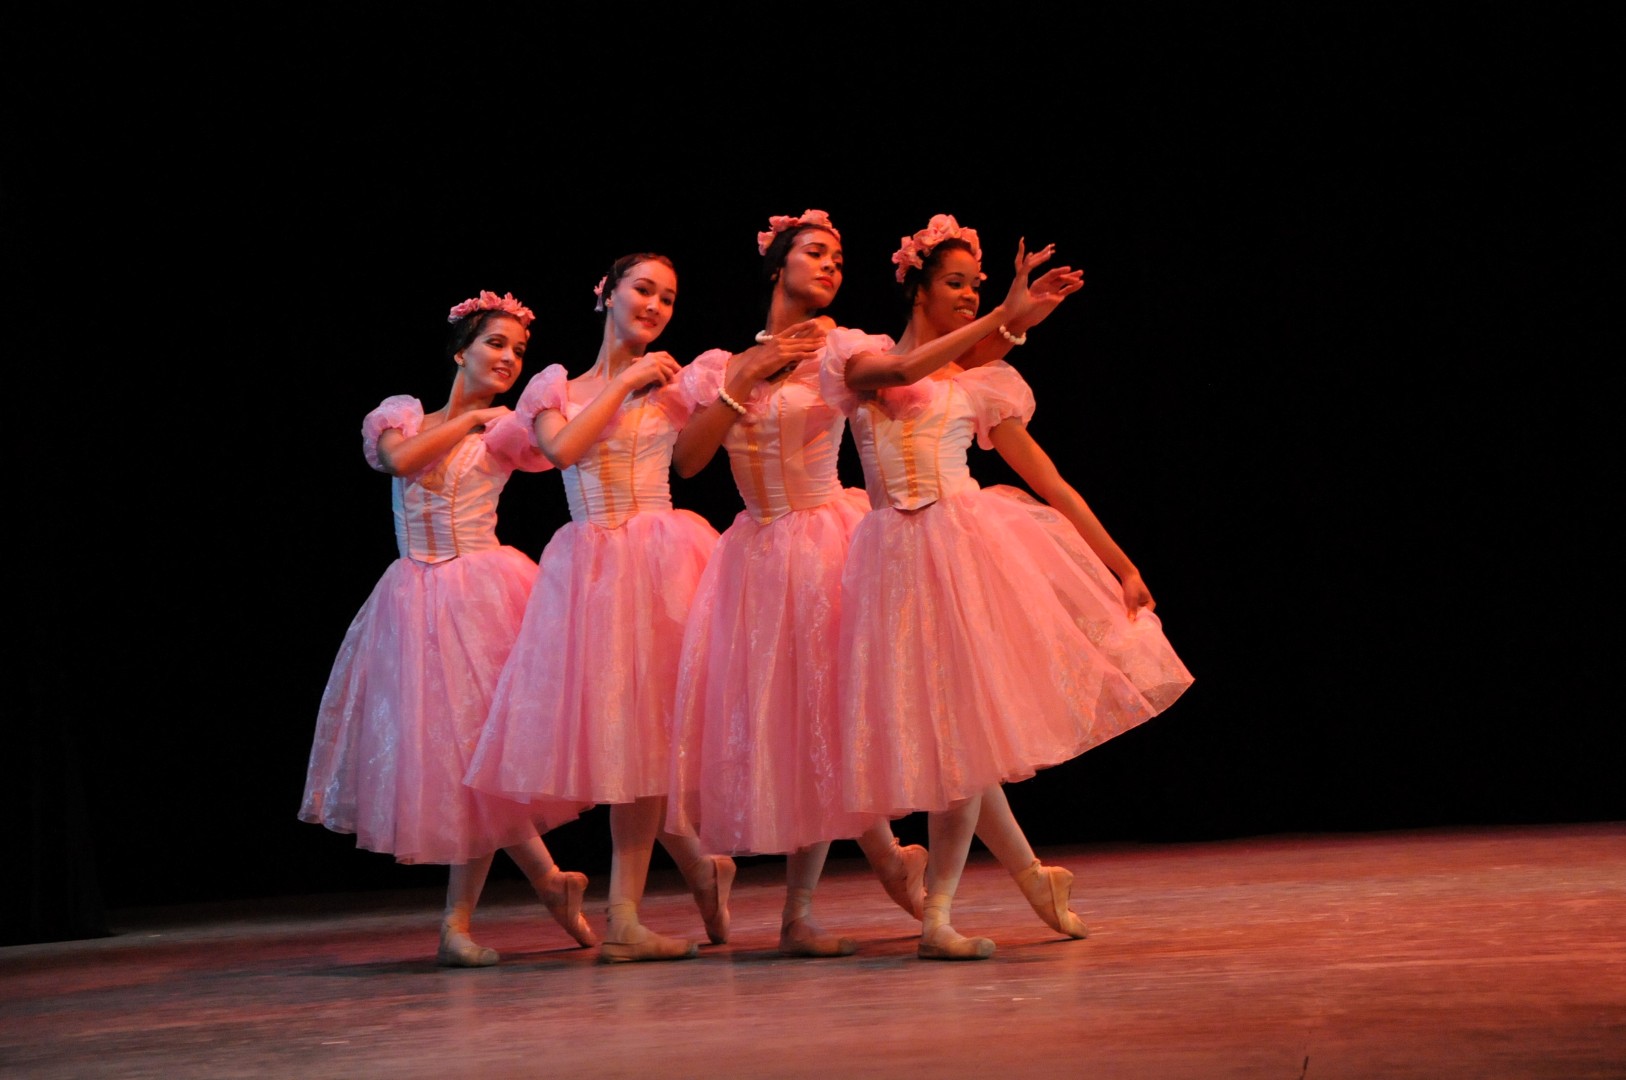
point(916, 249)
point(490, 301)
point(780, 222)
point(598, 291)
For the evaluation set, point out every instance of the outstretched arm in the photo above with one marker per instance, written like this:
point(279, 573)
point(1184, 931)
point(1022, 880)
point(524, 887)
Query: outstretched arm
point(402, 456)
point(1048, 292)
point(1034, 466)
point(565, 441)
point(874, 371)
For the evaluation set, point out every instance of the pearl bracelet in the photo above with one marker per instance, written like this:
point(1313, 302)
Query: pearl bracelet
point(722, 395)
point(1014, 339)
point(763, 337)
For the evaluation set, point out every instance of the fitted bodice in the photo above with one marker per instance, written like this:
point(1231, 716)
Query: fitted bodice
point(913, 439)
point(450, 508)
point(783, 450)
point(915, 458)
point(627, 470)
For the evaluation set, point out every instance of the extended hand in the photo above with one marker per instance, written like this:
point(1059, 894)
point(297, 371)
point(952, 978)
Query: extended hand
point(1056, 285)
point(1019, 300)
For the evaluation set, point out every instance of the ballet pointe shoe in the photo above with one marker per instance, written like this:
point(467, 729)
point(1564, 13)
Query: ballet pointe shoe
point(1049, 889)
point(907, 887)
point(643, 943)
point(940, 941)
point(562, 896)
point(802, 937)
point(457, 949)
point(712, 898)
point(627, 941)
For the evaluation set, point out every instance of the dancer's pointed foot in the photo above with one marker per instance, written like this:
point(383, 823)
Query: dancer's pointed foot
point(457, 949)
point(802, 937)
point(712, 897)
point(1049, 889)
point(941, 942)
point(906, 882)
point(562, 895)
point(634, 943)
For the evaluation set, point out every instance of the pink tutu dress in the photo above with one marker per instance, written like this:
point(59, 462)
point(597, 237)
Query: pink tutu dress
point(409, 693)
point(756, 752)
point(982, 638)
point(583, 710)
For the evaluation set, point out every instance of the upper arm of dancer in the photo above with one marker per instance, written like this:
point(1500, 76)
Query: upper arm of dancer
point(697, 443)
point(1033, 465)
point(402, 456)
point(565, 441)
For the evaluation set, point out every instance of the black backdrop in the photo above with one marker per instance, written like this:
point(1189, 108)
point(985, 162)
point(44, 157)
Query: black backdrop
point(1332, 382)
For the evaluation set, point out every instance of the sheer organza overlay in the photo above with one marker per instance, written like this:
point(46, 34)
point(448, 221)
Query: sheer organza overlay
point(981, 638)
point(757, 756)
point(409, 692)
point(583, 708)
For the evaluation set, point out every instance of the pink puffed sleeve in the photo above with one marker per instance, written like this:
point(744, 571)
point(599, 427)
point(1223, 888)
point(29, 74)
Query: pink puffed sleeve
point(401, 413)
point(703, 378)
point(684, 394)
point(545, 391)
point(510, 440)
point(998, 394)
point(840, 346)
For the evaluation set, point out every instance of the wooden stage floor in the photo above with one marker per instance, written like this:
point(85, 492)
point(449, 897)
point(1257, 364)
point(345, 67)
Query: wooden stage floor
point(1462, 953)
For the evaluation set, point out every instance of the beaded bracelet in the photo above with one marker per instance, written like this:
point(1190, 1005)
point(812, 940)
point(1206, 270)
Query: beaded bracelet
point(722, 395)
point(1014, 339)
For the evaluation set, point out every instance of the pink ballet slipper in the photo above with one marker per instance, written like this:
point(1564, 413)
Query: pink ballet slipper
point(457, 949)
point(562, 896)
point(802, 937)
point(940, 941)
point(629, 942)
point(712, 898)
point(1049, 889)
point(907, 886)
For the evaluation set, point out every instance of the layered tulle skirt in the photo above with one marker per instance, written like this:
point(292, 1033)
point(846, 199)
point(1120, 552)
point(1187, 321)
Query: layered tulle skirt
point(757, 744)
point(583, 708)
point(404, 708)
point(982, 640)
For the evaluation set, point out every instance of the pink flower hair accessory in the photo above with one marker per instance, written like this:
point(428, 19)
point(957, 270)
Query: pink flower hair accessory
point(490, 301)
point(779, 223)
point(598, 291)
point(917, 249)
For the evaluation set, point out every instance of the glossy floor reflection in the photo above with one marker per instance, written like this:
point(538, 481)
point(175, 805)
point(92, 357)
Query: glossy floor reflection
point(1491, 953)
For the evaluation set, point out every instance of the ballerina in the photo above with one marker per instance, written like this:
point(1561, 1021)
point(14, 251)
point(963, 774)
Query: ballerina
point(1017, 636)
point(409, 692)
point(757, 740)
point(582, 711)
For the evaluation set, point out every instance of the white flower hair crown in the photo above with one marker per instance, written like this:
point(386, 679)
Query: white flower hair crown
point(779, 223)
point(490, 301)
point(917, 249)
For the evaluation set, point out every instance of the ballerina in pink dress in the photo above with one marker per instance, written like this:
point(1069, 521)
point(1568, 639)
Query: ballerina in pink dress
point(985, 635)
point(757, 750)
point(409, 692)
point(583, 709)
